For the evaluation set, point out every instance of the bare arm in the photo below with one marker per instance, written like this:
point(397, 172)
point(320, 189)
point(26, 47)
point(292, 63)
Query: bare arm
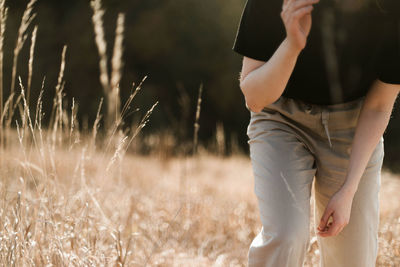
point(264, 82)
point(373, 120)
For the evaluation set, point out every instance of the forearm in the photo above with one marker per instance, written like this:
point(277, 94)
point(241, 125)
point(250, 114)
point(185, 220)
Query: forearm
point(266, 84)
point(373, 120)
point(370, 128)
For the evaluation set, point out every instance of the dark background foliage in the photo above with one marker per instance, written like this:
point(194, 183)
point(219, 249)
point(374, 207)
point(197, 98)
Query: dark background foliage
point(178, 44)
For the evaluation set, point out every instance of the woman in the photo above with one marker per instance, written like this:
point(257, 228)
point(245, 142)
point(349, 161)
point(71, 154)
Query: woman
point(320, 81)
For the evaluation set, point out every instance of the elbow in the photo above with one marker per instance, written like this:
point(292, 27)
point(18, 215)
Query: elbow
point(254, 102)
point(253, 106)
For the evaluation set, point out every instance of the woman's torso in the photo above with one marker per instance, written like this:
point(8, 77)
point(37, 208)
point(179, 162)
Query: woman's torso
point(344, 50)
point(342, 55)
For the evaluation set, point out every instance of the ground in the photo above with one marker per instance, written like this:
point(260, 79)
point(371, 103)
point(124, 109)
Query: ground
point(85, 208)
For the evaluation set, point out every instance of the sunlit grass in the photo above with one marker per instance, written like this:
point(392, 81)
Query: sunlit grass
point(76, 213)
point(82, 198)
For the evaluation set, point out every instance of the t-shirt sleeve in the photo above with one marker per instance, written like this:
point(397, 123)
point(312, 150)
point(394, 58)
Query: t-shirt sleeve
point(388, 69)
point(260, 29)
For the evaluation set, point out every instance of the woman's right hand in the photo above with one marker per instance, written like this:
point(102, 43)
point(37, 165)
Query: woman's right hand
point(296, 15)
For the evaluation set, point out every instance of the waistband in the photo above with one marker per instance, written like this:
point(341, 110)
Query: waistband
point(330, 117)
point(354, 104)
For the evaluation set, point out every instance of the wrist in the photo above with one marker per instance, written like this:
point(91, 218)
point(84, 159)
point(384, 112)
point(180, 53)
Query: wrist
point(291, 48)
point(349, 189)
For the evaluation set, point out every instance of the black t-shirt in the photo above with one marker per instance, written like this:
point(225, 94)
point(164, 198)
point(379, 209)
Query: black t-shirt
point(347, 49)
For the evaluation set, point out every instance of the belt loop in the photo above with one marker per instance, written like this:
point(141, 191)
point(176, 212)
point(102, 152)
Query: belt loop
point(325, 119)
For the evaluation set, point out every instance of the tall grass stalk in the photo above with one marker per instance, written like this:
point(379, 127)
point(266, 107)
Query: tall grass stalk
point(42, 223)
point(116, 68)
point(26, 21)
point(196, 123)
point(56, 117)
point(74, 137)
point(3, 20)
point(110, 85)
point(124, 114)
point(96, 125)
point(220, 139)
point(26, 116)
point(142, 124)
point(97, 19)
point(30, 64)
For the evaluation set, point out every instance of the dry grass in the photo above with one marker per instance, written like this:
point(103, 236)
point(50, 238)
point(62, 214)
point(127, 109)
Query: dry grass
point(141, 212)
point(73, 198)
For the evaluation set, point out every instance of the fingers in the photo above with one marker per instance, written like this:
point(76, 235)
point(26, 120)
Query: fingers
point(301, 12)
point(325, 229)
point(302, 3)
point(333, 228)
point(296, 9)
point(296, 15)
point(290, 6)
point(324, 219)
point(286, 3)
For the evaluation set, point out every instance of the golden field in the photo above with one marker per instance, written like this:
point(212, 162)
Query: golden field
point(71, 198)
point(82, 207)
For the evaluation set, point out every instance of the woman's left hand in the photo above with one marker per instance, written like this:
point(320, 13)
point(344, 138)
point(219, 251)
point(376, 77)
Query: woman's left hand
point(339, 207)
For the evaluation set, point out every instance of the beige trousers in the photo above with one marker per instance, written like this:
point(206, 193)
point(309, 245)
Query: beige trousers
point(291, 143)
